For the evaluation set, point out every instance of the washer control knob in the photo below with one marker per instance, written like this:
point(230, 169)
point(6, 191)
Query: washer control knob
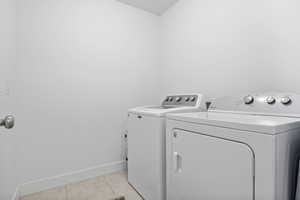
point(187, 98)
point(248, 99)
point(171, 99)
point(178, 99)
point(193, 98)
point(286, 100)
point(270, 100)
point(167, 99)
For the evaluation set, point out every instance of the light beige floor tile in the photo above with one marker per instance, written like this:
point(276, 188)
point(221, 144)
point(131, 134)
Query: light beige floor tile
point(132, 195)
point(119, 184)
point(128, 192)
point(116, 178)
point(52, 194)
point(106, 187)
point(118, 198)
point(123, 189)
point(92, 189)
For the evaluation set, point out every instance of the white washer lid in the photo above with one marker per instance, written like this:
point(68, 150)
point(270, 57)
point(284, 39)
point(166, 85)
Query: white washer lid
point(159, 111)
point(255, 123)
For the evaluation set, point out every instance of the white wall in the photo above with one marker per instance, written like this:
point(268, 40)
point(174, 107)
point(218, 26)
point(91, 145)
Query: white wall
point(7, 104)
point(81, 65)
point(223, 47)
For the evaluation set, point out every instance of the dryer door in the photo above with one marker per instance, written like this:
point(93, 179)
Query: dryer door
point(210, 168)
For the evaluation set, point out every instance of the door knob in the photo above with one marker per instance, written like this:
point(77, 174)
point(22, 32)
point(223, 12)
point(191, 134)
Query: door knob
point(8, 122)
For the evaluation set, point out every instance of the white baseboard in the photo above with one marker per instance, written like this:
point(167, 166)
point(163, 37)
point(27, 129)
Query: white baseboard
point(73, 177)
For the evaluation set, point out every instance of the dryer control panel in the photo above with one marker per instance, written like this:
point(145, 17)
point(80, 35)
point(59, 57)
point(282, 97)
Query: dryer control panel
point(279, 104)
point(181, 100)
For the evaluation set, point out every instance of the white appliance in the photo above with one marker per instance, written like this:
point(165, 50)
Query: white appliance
point(243, 148)
point(146, 143)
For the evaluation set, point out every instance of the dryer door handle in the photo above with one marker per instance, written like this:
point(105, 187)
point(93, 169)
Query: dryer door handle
point(177, 162)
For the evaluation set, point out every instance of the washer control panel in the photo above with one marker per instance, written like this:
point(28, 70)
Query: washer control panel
point(181, 100)
point(267, 103)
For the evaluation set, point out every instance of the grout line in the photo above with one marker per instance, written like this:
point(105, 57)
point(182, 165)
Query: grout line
point(66, 189)
point(109, 185)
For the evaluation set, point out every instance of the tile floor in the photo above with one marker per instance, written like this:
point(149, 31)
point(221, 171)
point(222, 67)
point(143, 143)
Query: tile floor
point(106, 187)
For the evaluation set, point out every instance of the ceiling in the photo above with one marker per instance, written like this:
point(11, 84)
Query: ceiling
point(157, 7)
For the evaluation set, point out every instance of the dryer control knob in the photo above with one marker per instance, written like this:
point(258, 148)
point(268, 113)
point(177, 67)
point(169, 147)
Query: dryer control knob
point(193, 98)
point(286, 100)
point(187, 98)
point(248, 99)
point(270, 100)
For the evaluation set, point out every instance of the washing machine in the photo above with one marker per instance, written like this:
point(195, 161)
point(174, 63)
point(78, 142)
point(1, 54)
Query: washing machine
point(244, 148)
point(146, 142)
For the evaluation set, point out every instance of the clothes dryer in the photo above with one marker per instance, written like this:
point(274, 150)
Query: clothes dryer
point(243, 148)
